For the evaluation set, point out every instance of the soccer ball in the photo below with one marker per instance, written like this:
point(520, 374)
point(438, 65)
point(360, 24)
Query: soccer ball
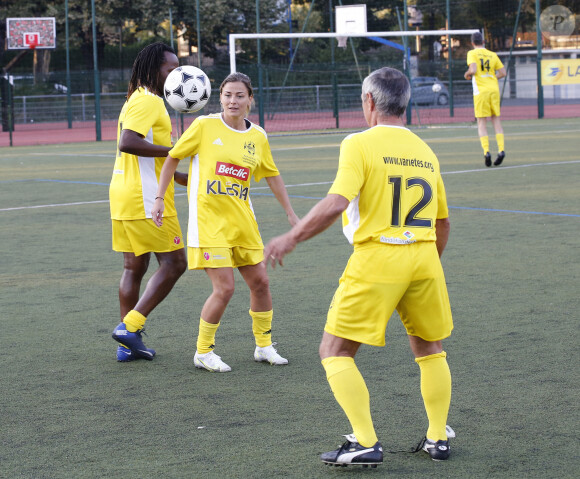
point(187, 89)
point(436, 87)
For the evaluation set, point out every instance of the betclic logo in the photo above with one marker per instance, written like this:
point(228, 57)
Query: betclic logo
point(233, 171)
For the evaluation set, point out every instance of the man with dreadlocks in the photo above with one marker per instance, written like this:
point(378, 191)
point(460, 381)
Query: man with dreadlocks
point(143, 141)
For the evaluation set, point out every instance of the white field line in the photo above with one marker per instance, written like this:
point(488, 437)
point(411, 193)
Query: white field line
point(344, 134)
point(299, 185)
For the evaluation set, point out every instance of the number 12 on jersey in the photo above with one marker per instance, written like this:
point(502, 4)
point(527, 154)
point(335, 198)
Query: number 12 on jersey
point(411, 219)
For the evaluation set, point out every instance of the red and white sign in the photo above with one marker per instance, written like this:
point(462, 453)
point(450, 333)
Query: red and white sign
point(30, 32)
point(31, 40)
point(233, 171)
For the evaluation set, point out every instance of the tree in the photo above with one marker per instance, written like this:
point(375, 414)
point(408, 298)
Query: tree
point(219, 18)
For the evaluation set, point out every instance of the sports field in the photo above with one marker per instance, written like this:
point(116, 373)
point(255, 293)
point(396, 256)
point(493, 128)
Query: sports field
point(69, 410)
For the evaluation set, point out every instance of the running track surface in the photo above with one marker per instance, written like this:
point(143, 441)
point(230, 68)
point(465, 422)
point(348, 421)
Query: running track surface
point(58, 132)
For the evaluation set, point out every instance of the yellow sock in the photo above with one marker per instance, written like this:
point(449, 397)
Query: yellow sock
point(500, 142)
point(436, 392)
point(484, 140)
point(134, 321)
point(352, 395)
point(262, 327)
point(206, 336)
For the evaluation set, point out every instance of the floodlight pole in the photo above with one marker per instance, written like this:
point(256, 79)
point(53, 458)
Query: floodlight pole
point(198, 28)
point(407, 56)
point(171, 27)
point(290, 27)
point(539, 62)
point(68, 92)
point(10, 96)
point(96, 75)
point(260, 82)
point(333, 74)
point(449, 59)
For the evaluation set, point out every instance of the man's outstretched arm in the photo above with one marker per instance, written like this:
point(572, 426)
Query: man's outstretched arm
point(322, 215)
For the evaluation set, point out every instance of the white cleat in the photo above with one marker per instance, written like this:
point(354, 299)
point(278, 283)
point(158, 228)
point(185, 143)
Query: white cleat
point(450, 432)
point(270, 355)
point(210, 361)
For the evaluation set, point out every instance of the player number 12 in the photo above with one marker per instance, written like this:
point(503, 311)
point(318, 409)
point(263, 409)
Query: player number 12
point(411, 219)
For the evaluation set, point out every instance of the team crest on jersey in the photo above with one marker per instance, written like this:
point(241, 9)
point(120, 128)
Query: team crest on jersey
point(177, 240)
point(250, 147)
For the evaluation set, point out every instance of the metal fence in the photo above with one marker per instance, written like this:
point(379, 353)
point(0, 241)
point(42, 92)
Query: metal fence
point(290, 108)
point(276, 100)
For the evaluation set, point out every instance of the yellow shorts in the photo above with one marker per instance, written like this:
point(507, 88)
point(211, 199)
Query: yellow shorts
point(486, 104)
point(144, 236)
point(201, 258)
point(381, 278)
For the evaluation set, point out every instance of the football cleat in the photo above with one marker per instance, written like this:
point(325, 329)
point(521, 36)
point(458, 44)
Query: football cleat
point(133, 342)
point(124, 354)
point(351, 453)
point(438, 450)
point(499, 159)
point(449, 431)
point(270, 355)
point(487, 158)
point(210, 361)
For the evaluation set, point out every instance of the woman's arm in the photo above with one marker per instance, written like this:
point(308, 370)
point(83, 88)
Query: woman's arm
point(276, 184)
point(165, 177)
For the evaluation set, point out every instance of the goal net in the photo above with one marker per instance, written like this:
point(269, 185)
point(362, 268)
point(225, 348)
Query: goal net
point(325, 94)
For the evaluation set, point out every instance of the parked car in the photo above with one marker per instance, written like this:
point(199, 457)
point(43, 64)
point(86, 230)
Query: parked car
point(429, 91)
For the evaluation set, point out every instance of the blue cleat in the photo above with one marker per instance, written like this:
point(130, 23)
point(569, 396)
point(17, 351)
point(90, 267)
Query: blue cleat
point(124, 354)
point(133, 342)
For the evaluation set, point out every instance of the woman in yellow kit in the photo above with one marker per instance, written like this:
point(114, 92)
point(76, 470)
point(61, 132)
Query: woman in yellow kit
point(226, 150)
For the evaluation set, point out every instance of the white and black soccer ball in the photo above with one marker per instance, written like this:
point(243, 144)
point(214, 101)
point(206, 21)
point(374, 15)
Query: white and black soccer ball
point(187, 89)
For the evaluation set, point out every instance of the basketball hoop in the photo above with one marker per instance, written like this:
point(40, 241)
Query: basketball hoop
point(350, 19)
point(31, 33)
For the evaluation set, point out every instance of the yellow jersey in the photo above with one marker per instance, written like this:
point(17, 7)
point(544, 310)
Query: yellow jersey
point(487, 64)
point(135, 178)
point(223, 161)
point(394, 185)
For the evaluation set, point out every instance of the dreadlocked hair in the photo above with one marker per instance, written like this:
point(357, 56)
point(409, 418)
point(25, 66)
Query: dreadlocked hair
point(147, 66)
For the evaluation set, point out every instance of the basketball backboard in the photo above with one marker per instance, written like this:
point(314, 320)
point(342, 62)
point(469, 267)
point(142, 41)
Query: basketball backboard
point(350, 19)
point(25, 33)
